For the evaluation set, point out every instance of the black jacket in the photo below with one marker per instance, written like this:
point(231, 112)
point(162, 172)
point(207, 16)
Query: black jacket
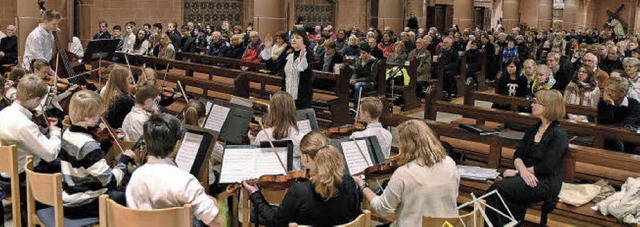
point(621, 116)
point(176, 39)
point(609, 65)
point(564, 74)
point(235, 52)
point(188, 44)
point(450, 59)
point(9, 45)
point(302, 205)
point(102, 35)
point(336, 59)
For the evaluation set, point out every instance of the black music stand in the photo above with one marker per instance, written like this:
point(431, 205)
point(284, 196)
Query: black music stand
point(100, 49)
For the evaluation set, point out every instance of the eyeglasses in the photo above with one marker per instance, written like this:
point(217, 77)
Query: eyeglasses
point(628, 66)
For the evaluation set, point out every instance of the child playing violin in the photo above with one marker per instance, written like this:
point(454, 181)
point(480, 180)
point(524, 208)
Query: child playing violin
point(51, 106)
point(146, 100)
point(370, 111)
point(86, 174)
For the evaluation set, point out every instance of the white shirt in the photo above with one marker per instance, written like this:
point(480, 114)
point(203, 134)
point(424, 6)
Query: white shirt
point(129, 40)
point(292, 70)
point(143, 48)
point(39, 45)
point(133, 124)
point(17, 128)
point(160, 184)
point(294, 136)
point(383, 135)
point(415, 191)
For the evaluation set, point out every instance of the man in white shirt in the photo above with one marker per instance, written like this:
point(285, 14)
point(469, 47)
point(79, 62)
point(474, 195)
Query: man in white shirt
point(17, 128)
point(370, 111)
point(159, 183)
point(39, 44)
point(146, 98)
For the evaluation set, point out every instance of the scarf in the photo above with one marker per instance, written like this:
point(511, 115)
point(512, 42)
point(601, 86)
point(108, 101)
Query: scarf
point(276, 50)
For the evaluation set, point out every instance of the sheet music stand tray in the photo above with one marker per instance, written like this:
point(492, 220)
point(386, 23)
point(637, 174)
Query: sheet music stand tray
point(100, 49)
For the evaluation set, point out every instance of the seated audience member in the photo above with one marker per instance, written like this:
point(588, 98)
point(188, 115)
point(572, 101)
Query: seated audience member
point(612, 61)
point(631, 70)
point(187, 42)
point(353, 47)
point(511, 51)
point(511, 83)
point(375, 52)
point(141, 45)
point(329, 198)
point(582, 91)
point(386, 45)
point(616, 109)
point(543, 80)
point(117, 34)
point(539, 163)
point(275, 53)
point(252, 52)
point(529, 71)
point(9, 48)
point(218, 47)
point(174, 35)
point(426, 183)
point(370, 111)
point(561, 73)
point(236, 49)
point(86, 174)
point(281, 124)
point(329, 58)
point(398, 56)
point(165, 49)
point(160, 184)
point(473, 60)
point(117, 98)
point(423, 58)
point(104, 31)
point(600, 75)
point(450, 60)
point(146, 98)
point(365, 73)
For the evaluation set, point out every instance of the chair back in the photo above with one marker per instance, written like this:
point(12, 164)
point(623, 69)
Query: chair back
point(114, 214)
point(363, 220)
point(9, 165)
point(44, 188)
point(470, 219)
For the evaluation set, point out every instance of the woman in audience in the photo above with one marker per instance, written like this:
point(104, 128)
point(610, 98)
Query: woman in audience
point(281, 124)
point(353, 49)
point(539, 162)
point(511, 83)
point(583, 91)
point(529, 70)
point(544, 80)
point(341, 39)
point(398, 56)
point(426, 183)
point(165, 49)
point(631, 66)
point(117, 98)
point(386, 46)
point(329, 198)
point(141, 45)
point(236, 50)
point(275, 54)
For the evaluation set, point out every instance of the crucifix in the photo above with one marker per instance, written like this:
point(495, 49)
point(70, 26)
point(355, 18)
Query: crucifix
point(614, 19)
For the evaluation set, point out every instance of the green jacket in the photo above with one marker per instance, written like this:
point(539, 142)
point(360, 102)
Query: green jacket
point(424, 63)
point(367, 72)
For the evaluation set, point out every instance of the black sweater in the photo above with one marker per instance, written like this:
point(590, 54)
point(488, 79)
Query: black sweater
point(620, 116)
point(118, 110)
point(304, 206)
point(9, 45)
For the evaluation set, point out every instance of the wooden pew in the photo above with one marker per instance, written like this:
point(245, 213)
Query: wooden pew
point(214, 60)
point(480, 75)
point(338, 103)
point(599, 132)
point(411, 101)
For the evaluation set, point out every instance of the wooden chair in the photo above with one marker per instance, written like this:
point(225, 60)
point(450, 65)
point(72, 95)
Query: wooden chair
point(9, 164)
point(114, 214)
point(47, 189)
point(363, 220)
point(473, 219)
point(272, 196)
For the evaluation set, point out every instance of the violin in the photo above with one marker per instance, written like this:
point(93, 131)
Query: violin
point(382, 169)
point(345, 130)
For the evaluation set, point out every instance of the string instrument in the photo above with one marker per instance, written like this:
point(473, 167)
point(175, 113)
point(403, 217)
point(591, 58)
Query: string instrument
point(382, 169)
point(347, 130)
point(140, 149)
point(110, 135)
point(69, 72)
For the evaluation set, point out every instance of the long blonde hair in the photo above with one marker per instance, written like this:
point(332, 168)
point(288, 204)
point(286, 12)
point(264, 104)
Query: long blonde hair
point(328, 162)
point(282, 115)
point(118, 84)
point(418, 142)
point(193, 112)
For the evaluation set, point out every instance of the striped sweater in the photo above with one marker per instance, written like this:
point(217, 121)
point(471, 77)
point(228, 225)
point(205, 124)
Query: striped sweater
point(85, 173)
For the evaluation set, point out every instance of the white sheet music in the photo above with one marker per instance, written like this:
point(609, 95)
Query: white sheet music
point(216, 118)
point(352, 154)
point(188, 151)
point(250, 163)
point(304, 126)
point(208, 106)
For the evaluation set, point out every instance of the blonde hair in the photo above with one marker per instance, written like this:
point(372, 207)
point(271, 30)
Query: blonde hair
point(85, 104)
point(373, 105)
point(116, 85)
point(145, 74)
point(31, 86)
point(282, 115)
point(329, 165)
point(553, 102)
point(50, 15)
point(418, 142)
point(401, 44)
point(193, 112)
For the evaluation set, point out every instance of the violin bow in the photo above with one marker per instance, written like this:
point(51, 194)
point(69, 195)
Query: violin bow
point(164, 79)
point(183, 93)
point(358, 107)
point(115, 139)
point(272, 146)
point(356, 121)
point(133, 80)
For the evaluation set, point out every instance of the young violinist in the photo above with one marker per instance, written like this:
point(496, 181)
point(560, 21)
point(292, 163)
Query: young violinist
point(85, 172)
point(39, 43)
point(51, 106)
point(146, 98)
point(370, 111)
point(426, 183)
point(329, 198)
point(159, 183)
point(17, 128)
point(167, 97)
point(4, 101)
point(282, 124)
point(11, 85)
point(117, 97)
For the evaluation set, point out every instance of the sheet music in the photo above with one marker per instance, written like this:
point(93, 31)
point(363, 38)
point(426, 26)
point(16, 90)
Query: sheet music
point(250, 163)
point(216, 118)
point(188, 150)
point(304, 126)
point(208, 107)
point(352, 154)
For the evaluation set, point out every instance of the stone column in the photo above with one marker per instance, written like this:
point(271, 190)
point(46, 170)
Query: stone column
point(511, 14)
point(390, 14)
point(269, 16)
point(545, 14)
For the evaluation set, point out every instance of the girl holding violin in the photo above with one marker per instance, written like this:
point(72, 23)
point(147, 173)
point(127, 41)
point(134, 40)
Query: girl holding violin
point(117, 97)
point(282, 124)
point(329, 198)
point(87, 175)
point(426, 183)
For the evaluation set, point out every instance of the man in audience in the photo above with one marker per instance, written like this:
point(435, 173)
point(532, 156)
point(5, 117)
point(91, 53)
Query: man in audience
point(450, 59)
point(616, 109)
point(117, 34)
point(612, 61)
point(9, 47)
point(176, 38)
point(375, 52)
point(365, 73)
point(160, 184)
point(560, 72)
point(218, 46)
point(188, 43)
point(591, 61)
point(252, 53)
point(103, 33)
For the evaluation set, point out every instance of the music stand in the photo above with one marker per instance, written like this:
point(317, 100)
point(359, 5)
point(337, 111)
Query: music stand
point(98, 50)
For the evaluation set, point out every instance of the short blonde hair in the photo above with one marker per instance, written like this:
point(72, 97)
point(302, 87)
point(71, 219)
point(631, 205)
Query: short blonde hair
point(372, 105)
point(553, 102)
point(85, 104)
point(31, 86)
point(418, 142)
